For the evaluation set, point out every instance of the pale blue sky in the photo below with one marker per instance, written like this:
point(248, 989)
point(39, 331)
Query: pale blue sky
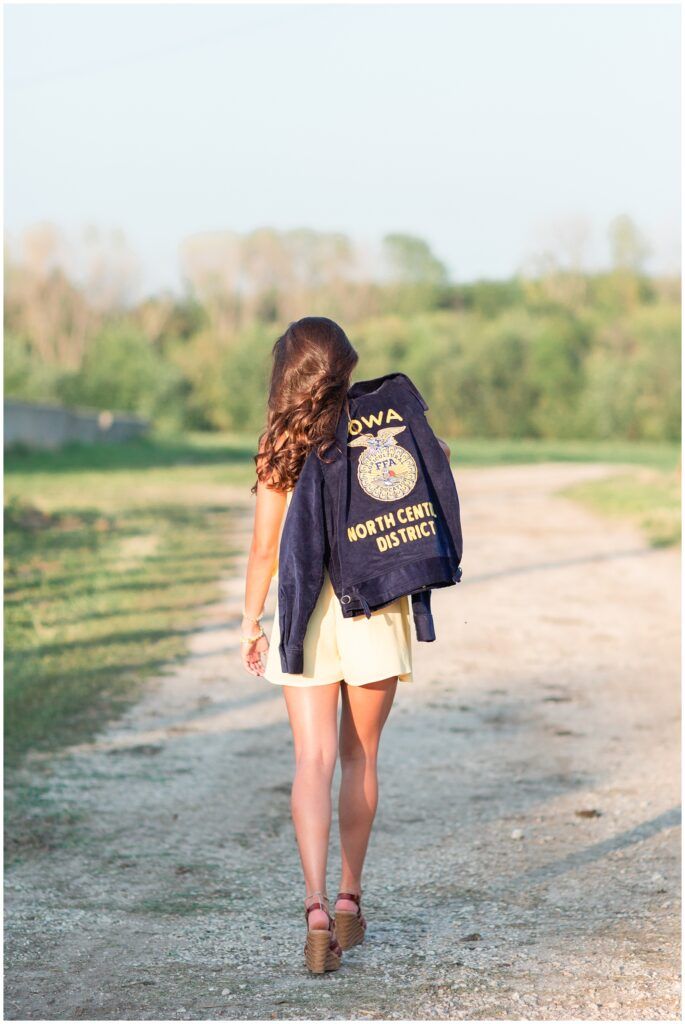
point(473, 126)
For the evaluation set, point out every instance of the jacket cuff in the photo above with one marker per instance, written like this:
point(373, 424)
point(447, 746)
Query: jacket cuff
point(292, 660)
point(424, 626)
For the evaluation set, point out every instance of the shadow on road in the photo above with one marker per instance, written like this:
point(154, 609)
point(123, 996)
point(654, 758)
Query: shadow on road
point(669, 819)
point(524, 570)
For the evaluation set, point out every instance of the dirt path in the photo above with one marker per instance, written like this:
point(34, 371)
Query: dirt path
point(552, 690)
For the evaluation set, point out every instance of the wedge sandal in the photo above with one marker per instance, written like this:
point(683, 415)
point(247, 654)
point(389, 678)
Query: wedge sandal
point(350, 925)
point(322, 951)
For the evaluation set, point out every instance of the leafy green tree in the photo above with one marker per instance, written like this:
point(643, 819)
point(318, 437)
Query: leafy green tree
point(122, 371)
point(633, 378)
point(26, 376)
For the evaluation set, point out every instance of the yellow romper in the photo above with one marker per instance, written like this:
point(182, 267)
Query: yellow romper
point(357, 650)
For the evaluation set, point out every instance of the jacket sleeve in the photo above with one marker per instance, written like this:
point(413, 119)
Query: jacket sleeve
point(301, 561)
point(424, 626)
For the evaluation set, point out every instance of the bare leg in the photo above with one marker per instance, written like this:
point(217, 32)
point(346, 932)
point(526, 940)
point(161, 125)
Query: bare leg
point(313, 713)
point(364, 713)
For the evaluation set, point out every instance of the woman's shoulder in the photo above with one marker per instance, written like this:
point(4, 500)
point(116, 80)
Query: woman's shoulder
point(375, 385)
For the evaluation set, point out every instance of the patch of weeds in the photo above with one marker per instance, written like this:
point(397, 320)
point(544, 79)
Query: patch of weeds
point(35, 823)
point(83, 630)
point(466, 451)
point(183, 904)
point(648, 498)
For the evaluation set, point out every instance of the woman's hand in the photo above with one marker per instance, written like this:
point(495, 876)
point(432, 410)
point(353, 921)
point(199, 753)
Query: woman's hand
point(252, 653)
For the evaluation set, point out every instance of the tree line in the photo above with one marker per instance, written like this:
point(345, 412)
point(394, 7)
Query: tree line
point(555, 352)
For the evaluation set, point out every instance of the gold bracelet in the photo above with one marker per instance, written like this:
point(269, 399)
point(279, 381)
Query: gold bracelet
point(250, 618)
point(251, 639)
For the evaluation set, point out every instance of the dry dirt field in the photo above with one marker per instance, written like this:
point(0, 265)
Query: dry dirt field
point(525, 858)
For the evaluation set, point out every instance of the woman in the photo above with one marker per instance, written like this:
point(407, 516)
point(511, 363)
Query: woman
point(358, 660)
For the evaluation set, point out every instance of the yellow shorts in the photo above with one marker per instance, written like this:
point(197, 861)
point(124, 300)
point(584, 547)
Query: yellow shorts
point(358, 650)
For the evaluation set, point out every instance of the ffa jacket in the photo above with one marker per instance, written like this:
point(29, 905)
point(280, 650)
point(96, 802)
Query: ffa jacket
point(382, 516)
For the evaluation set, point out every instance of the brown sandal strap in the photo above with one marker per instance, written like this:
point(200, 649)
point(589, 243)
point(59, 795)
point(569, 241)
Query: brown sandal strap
point(318, 906)
point(355, 897)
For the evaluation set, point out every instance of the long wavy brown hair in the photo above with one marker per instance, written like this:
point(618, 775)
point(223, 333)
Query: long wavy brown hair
point(310, 376)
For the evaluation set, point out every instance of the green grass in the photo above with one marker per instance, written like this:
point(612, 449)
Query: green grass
point(228, 457)
point(204, 459)
point(110, 555)
point(648, 498)
point(96, 602)
point(474, 452)
point(110, 551)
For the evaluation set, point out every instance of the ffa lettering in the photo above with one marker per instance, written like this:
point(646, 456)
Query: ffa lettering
point(386, 531)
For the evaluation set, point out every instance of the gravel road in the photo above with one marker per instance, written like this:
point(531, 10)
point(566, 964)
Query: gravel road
point(525, 858)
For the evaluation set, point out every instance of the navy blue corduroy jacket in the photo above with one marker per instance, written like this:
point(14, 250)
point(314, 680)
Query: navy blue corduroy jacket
point(382, 516)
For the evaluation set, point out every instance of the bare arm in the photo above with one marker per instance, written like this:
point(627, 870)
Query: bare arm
point(269, 510)
point(261, 561)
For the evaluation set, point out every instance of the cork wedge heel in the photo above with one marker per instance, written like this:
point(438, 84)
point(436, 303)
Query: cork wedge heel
point(322, 951)
point(350, 924)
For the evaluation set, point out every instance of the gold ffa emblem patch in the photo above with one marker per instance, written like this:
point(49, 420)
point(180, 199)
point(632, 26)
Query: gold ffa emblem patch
point(385, 471)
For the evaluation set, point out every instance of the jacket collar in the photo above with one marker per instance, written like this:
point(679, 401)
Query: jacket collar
point(368, 387)
point(361, 389)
